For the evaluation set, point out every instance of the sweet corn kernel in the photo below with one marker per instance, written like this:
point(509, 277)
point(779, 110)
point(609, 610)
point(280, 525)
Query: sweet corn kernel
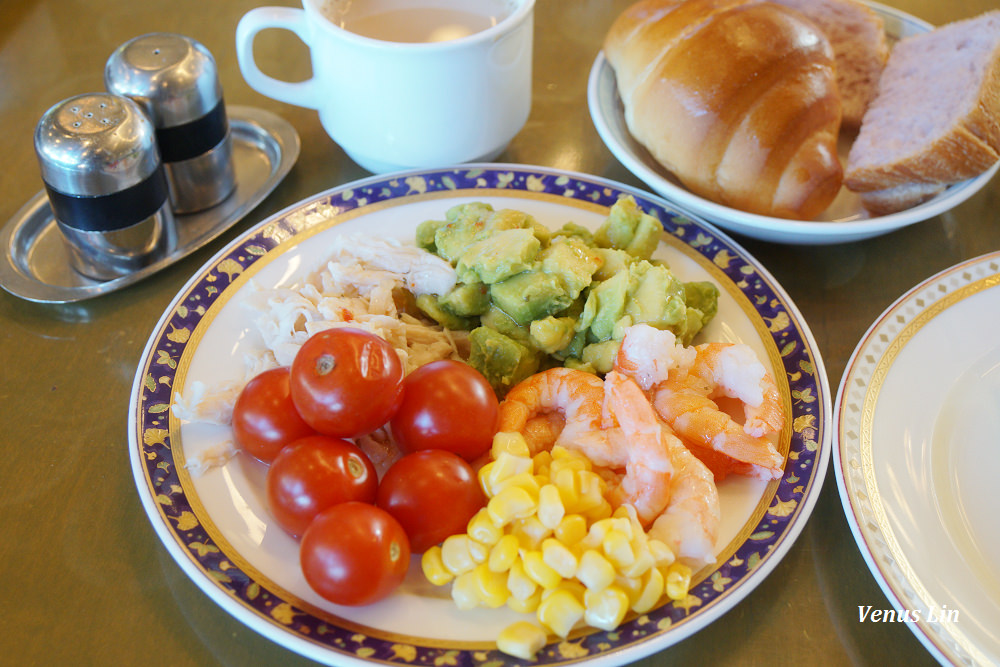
point(461, 554)
point(605, 608)
point(530, 532)
point(591, 490)
point(521, 640)
point(571, 529)
point(501, 468)
point(550, 506)
point(663, 556)
point(601, 510)
point(618, 549)
point(678, 581)
point(504, 553)
point(539, 572)
point(528, 605)
point(650, 592)
point(520, 585)
point(541, 462)
point(596, 533)
point(560, 611)
point(595, 571)
point(572, 585)
point(433, 567)
point(491, 586)
point(482, 529)
point(509, 443)
point(525, 480)
point(510, 504)
point(557, 556)
point(568, 485)
point(465, 591)
point(643, 559)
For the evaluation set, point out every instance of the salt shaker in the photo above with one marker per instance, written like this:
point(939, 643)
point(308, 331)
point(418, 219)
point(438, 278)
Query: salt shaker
point(105, 183)
point(175, 80)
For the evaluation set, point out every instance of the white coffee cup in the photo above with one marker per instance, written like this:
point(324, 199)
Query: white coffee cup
point(394, 105)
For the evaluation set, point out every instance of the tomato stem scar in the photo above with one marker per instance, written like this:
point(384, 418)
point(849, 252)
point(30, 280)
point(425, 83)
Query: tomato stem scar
point(325, 363)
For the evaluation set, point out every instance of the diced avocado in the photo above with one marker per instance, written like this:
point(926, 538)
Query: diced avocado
point(605, 306)
point(601, 356)
point(502, 360)
point(466, 300)
point(428, 304)
point(613, 261)
point(629, 228)
point(467, 223)
point(530, 295)
point(573, 261)
point(425, 234)
point(704, 296)
point(495, 318)
point(578, 364)
point(575, 231)
point(656, 297)
point(552, 334)
point(498, 256)
point(575, 347)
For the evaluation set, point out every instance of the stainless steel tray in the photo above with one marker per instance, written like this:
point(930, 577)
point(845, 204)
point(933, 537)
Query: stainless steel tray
point(35, 263)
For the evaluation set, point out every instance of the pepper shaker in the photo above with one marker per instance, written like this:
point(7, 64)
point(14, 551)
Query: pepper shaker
point(175, 80)
point(105, 184)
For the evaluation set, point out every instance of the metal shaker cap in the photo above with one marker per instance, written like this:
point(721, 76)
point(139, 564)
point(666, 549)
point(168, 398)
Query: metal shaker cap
point(175, 80)
point(95, 144)
point(173, 77)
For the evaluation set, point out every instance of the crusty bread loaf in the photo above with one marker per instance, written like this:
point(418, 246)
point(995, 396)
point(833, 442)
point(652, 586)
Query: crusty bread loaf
point(936, 118)
point(737, 98)
point(860, 49)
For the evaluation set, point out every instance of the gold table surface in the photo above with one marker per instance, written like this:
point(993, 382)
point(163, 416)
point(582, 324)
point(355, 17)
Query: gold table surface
point(83, 577)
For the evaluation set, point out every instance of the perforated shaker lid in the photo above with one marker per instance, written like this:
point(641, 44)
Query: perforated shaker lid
point(95, 144)
point(173, 77)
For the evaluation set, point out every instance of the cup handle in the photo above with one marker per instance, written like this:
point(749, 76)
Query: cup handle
point(302, 93)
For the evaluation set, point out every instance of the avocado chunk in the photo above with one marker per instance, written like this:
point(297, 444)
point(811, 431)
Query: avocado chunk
point(530, 295)
point(498, 256)
point(552, 334)
point(426, 231)
point(502, 360)
point(428, 304)
point(467, 223)
point(629, 228)
point(605, 306)
point(495, 318)
point(573, 261)
point(656, 298)
point(613, 261)
point(600, 356)
point(466, 300)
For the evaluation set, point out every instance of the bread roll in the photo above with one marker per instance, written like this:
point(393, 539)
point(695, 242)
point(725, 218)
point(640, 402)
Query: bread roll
point(936, 119)
point(860, 49)
point(737, 98)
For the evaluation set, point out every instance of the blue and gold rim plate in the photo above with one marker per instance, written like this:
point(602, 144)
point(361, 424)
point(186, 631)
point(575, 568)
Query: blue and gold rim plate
point(215, 524)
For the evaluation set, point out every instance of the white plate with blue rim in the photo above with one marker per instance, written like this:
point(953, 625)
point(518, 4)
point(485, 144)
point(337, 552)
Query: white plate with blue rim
point(216, 524)
point(845, 220)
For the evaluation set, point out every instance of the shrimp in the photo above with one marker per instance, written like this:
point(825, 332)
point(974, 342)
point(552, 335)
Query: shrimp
point(632, 425)
point(690, 523)
point(682, 386)
point(555, 406)
point(733, 371)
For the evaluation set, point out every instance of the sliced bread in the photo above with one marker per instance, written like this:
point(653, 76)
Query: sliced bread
point(860, 49)
point(936, 118)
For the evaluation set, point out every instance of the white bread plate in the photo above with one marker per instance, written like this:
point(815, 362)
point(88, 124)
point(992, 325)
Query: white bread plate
point(845, 220)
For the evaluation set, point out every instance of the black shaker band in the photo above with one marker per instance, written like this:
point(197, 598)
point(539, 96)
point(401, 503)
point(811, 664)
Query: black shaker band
point(118, 210)
point(183, 142)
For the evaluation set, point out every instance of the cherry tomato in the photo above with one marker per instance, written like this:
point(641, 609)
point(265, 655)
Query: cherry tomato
point(314, 473)
point(446, 405)
point(346, 382)
point(264, 417)
point(432, 493)
point(354, 554)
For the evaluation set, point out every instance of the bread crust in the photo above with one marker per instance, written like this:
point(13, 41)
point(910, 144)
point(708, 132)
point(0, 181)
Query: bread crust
point(737, 98)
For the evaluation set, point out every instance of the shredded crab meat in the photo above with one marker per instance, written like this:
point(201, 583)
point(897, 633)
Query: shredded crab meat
point(355, 288)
